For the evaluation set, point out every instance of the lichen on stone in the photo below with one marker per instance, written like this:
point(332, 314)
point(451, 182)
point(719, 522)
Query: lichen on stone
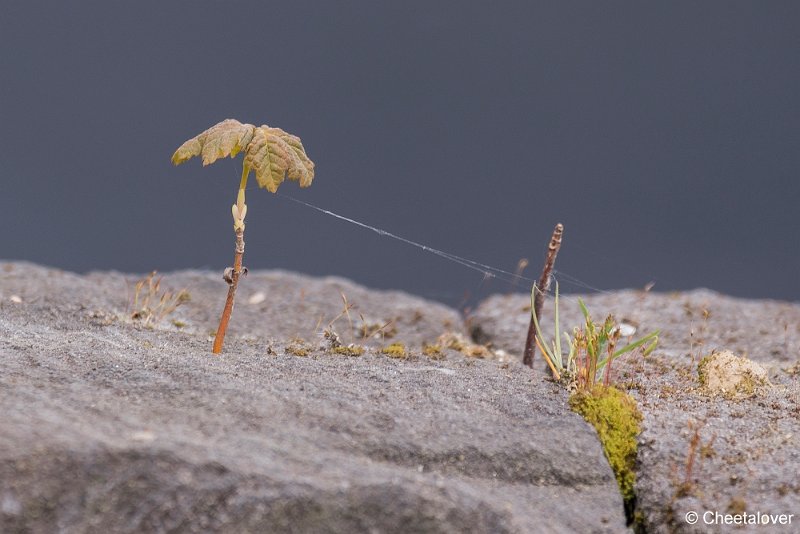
point(725, 374)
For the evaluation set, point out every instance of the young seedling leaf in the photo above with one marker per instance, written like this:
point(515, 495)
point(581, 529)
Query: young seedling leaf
point(271, 152)
point(274, 154)
point(224, 139)
point(584, 309)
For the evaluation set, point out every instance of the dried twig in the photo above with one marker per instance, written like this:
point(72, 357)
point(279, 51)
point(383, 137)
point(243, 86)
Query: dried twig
point(541, 288)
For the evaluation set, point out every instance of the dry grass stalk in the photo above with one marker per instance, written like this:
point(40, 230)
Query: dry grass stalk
point(542, 287)
point(150, 304)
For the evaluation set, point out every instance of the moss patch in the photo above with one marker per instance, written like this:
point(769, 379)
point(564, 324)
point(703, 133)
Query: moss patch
point(395, 350)
point(298, 349)
point(455, 341)
point(434, 352)
point(616, 419)
point(349, 350)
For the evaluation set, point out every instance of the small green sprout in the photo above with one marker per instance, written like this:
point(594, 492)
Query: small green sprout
point(591, 348)
point(272, 154)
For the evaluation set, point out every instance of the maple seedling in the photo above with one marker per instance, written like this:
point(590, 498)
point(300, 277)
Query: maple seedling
point(272, 154)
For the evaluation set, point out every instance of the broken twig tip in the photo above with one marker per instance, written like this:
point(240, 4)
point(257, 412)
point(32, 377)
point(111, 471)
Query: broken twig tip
point(541, 288)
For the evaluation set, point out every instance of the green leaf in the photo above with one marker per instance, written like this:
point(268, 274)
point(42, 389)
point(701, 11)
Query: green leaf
point(652, 336)
point(584, 309)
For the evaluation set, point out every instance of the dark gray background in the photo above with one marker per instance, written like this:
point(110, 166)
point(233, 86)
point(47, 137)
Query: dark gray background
point(663, 135)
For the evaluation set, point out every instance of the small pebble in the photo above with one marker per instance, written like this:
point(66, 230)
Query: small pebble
point(257, 298)
point(143, 435)
point(626, 330)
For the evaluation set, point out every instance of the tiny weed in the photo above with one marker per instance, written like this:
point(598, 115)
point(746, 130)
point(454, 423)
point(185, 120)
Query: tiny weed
point(696, 453)
point(592, 348)
point(329, 333)
point(150, 304)
point(369, 329)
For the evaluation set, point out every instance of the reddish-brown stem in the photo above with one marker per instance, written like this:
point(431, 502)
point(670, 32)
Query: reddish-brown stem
point(541, 288)
point(232, 283)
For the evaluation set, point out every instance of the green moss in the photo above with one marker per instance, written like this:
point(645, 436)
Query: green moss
point(297, 350)
point(349, 350)
point(395, 350)
point(748, 384)
point(737, 506)
point(434, 352)
point(702, 371)
point(616, 419)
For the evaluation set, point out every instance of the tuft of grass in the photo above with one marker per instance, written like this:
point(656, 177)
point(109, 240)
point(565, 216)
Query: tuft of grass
point(150, 304)
point(395, 350)
point(591, 349)
point(375, 330)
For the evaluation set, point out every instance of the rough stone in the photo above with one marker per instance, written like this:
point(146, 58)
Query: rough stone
point(746, 455)
point(110, 426)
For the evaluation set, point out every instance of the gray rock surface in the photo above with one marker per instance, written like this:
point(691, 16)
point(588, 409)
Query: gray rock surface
point(746, 458)
point(269, 304)
point(108, 426)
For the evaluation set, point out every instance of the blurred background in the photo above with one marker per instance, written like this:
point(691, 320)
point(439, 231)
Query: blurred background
point(665, 136)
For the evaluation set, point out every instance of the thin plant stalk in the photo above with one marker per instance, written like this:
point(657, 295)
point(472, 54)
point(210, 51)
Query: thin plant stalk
point(553, 355)
point(549, 361)
point(239, 211)
point(542, 287)
point(272, 154)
